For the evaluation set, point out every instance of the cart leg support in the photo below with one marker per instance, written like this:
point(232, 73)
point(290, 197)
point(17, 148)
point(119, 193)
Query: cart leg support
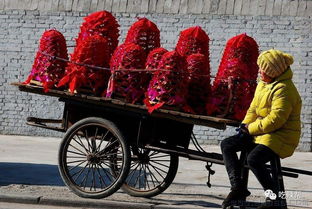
point(244, 174)
point(278, 180)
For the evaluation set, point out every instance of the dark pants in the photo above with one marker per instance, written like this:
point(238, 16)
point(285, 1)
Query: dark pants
point(258, 156)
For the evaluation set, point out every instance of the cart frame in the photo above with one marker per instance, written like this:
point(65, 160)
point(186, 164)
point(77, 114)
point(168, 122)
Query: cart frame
point(163, 131)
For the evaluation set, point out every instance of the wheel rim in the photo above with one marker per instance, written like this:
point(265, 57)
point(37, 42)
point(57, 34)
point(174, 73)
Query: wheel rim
point(148, 170)
point(89, 156)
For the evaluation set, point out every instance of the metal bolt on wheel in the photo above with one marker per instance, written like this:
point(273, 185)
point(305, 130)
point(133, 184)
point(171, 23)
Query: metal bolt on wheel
point(87, 154)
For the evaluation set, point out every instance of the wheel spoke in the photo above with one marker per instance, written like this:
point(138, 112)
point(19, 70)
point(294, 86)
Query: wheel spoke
point(93, 179)
point(105, 172)
point(76, 153)
point(96, 131)
point(108, 145)
point(145, 176)
point(76, 149)
point(93, 145)
point(156, 169)
point(133, 172)
point(133, 164)
point(108, 154)
point(108, 142)
point(85, 179)
point(80, 157)
point(93, 141)
point(75, 166)
point(76, 161)
point(111, 163)
point(87, 138)
point(91, 183)
point(102, 139)
point(80, 172)
point(138, 177)
point(154, 153)
point(108, 165)
point(152, 175)
point(154, 161)
point(100, 177)
point(160, 160)
point(115, 155)
point(80, 143)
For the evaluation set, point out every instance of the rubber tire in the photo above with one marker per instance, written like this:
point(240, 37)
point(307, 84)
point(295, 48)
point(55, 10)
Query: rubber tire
point(126, 152)
point(173, 168)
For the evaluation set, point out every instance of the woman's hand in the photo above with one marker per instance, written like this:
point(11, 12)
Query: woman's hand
point(244, 128)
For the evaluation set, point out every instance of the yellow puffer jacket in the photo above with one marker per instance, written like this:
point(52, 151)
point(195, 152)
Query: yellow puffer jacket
point(273, 117)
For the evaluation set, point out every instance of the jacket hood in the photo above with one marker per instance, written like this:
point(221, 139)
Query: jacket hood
point(287, 75)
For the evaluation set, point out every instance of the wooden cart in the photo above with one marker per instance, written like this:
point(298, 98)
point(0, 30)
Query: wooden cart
point(110, 144)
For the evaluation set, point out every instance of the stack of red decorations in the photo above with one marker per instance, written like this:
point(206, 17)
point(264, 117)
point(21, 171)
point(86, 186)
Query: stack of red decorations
point(193, 44)
point(93, 51)
point(46, 68)
point(100, 23)
point(235, 83)
point(193, 40)
point(168, 85)
point(198, 82)
point(126, 81)
point(145, 34)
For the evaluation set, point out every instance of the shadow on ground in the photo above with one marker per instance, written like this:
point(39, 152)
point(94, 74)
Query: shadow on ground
point(201, 203)
point(27, 173)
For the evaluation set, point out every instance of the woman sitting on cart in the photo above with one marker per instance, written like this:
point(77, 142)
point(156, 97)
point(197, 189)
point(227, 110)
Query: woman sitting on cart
point(271, 127)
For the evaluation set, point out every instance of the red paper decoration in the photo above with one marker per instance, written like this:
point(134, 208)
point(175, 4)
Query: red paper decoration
point(152, 61)
point(100, 23)
point(154, 57)
point(168, 85)
point(46, 68)
point(198, 82)
point(193, 40)
point(193, 44)
point(145, 34)
point(126, 81)
point(94, 51)
point(235, 83)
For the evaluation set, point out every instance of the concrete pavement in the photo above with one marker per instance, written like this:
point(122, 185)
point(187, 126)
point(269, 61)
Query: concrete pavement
point(29, 174)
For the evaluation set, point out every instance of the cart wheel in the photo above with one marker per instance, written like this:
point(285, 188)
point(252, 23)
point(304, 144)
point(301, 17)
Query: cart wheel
point(151, 172)
point(87, 154)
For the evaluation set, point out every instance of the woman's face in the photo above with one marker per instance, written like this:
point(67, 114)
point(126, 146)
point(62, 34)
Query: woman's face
point(264, 77)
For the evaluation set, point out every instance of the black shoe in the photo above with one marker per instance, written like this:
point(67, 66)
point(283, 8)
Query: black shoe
point(235, 197)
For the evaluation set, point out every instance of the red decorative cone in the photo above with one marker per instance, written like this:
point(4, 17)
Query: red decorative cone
point(235, 83)
point(94, 51)
point(193, 44)
point(46, 68)
point(168, 85)
point(145, 34)
point(154, 57)
point(125, 81)
point(101, 23)
point(193, 40)
point(198, 82)
point(152, 61)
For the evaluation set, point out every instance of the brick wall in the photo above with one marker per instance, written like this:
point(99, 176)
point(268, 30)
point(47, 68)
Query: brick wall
point(282, 24)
